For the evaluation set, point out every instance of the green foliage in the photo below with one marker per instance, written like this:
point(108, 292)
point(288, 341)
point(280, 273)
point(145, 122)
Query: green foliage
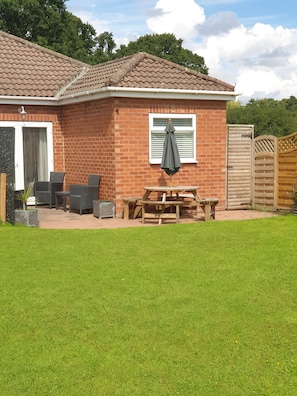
point(42, 22)
point(165, 46)
point(105, 46)
point(89, 312)
point(25, 195)
point(269, 117)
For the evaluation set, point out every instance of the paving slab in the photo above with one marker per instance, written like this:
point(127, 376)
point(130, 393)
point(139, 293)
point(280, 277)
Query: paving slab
point(58, 219)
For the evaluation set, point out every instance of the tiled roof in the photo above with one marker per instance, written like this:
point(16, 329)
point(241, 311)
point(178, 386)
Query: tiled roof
point(143, 70)
point(29, 70)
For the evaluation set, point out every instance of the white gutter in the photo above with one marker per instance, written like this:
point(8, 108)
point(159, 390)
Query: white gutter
point(28, 100)
point(148, 93)
point(144, 93)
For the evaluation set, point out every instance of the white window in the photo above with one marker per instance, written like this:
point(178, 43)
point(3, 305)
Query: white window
point(185, 133)
point(33, 151)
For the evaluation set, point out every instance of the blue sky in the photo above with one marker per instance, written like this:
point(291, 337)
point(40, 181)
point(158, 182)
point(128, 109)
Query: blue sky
point(248, 43)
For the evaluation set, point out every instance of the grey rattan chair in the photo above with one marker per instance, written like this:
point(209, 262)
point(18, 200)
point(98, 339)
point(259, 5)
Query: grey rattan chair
point(82, 196)
point(45, 191)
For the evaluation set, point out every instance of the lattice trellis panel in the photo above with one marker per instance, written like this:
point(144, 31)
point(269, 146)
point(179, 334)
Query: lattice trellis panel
point(264, 144)
point(287, 143)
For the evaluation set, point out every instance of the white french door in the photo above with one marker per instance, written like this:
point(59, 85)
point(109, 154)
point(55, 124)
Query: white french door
point(33, 151)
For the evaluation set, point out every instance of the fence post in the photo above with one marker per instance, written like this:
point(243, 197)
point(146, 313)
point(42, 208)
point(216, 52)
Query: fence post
point(3, 197)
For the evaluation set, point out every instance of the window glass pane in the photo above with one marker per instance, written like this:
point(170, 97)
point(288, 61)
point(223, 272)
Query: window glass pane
point(177, 122)
point(185, 144)
point(157, 141)
point(35, 154)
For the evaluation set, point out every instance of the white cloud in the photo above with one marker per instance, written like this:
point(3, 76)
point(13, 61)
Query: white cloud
point(219, 23)
point(260, 59)
point(260, 84)
point(176, 16)
point(100, 25)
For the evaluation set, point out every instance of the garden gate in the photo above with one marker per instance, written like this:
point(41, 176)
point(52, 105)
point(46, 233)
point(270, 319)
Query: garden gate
point(239, 166)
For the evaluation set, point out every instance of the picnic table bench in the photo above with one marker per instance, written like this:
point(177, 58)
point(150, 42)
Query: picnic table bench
point(159, 212)
point(132, 207)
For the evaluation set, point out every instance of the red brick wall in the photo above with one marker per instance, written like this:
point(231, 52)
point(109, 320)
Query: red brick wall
point(111, 138)
point(89, 144)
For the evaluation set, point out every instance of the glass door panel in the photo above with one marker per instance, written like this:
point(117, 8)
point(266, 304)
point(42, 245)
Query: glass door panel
point(35, 154)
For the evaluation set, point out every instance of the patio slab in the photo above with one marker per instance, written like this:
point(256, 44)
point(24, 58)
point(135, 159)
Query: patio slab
point(58, 219)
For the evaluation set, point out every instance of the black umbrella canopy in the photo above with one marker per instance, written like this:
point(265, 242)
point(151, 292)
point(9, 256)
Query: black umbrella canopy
point(170, 158)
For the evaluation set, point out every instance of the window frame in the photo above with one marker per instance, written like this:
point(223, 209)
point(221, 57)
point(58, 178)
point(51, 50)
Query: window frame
point(178, 130)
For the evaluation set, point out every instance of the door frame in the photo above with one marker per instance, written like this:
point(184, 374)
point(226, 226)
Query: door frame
point(19, 154)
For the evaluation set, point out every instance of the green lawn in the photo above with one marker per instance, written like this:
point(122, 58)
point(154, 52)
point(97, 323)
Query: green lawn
point(193, 309)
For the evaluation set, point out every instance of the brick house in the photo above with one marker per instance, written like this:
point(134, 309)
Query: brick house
point(109, 119)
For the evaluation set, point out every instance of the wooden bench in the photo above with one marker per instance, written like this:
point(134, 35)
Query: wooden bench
point(208, 205)
point(132, 207)
point(159, 212)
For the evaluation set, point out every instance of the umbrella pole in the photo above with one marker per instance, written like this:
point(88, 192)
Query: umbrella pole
point(170, 180)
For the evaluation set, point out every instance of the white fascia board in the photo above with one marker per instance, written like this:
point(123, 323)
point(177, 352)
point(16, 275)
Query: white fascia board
point(137, 93)
point(148, 93)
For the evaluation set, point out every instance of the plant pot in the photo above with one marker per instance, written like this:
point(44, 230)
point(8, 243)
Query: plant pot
point(29, 218)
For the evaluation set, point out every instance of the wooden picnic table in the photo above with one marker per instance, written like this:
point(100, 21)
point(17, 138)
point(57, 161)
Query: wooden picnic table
point(170, 196)
point(172, 190)
point(185, 195)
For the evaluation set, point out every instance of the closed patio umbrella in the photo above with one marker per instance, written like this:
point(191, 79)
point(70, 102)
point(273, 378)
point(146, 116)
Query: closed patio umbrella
point(170, 158)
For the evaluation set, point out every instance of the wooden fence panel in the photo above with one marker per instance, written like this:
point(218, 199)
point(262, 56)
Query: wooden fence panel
point(275, 170)
point(265, 171)
point(287, 169)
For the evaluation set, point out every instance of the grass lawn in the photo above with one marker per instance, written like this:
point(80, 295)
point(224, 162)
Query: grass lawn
point(187, 309)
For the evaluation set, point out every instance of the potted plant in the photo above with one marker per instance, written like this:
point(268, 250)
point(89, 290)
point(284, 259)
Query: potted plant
point(26, 216)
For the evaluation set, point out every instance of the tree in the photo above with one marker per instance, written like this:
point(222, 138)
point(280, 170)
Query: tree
point(269, 117)
point(34, 20)
point(164, 46)
point(77, 40)
point(104, 48)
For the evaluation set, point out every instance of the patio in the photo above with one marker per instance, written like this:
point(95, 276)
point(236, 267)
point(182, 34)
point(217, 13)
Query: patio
point(58, 219)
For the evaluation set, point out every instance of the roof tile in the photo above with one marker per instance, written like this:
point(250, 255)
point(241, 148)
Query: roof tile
point(145, 71)
point(28, 69)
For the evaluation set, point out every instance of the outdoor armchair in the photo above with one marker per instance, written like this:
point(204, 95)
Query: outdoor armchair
point(81, 196)
point(45, 191)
